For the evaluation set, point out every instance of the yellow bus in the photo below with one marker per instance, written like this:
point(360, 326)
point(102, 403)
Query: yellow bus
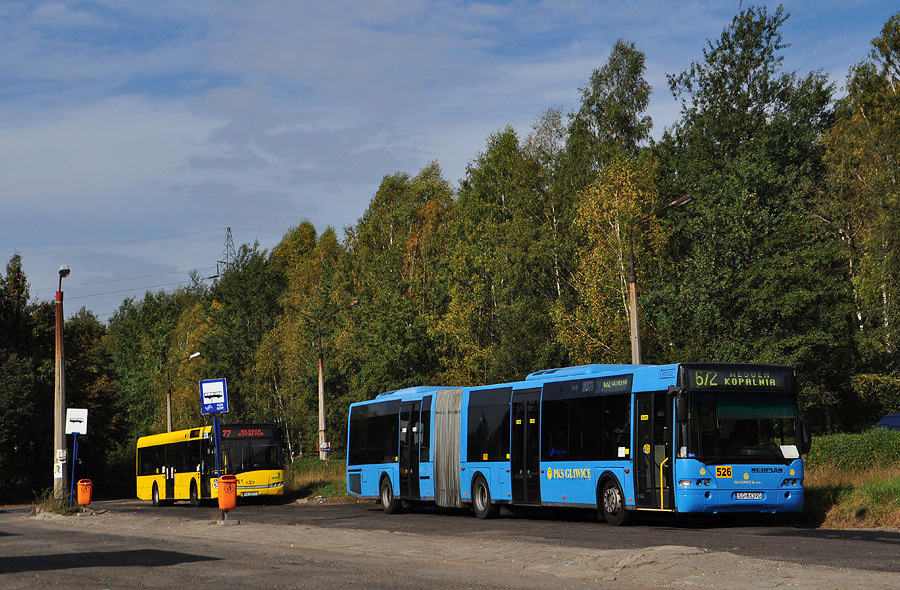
point(181, 465)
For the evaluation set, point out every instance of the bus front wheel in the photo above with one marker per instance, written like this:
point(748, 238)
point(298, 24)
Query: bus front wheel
point(481, 500)
point(389, 503)
point(612, 504)
point(154, 499)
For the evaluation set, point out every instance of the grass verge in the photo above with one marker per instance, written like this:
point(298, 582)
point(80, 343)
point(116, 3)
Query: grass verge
point(844, 498)
point(310, 477)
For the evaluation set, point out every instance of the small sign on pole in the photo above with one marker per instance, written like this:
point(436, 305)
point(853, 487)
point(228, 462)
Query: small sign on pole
point(76, 421)
point(213, 396)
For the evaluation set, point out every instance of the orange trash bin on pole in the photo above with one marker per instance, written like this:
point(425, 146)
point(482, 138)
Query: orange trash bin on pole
point(227, 492)
point(85, 487)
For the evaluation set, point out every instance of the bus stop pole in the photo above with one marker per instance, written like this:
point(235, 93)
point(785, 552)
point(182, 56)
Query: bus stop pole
point(74, 458)
point(218, 434)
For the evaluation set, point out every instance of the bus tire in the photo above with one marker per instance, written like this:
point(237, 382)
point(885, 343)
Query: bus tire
point(481, 499)
point(389, 503)
point(154, 498)
point(195, 497)
point(612, 503)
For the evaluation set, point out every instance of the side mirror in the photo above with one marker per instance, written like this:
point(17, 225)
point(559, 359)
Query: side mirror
point(804, 438)
point(681, 405)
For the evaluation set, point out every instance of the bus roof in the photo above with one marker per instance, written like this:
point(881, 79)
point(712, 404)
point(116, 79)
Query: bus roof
point(410, 392)
point(645, 378)
point(175, 436)
point(582, 370)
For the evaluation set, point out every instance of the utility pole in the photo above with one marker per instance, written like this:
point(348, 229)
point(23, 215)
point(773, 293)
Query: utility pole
point(169, 392)
point(323, 450)
point(632, 279)
point(59, 399)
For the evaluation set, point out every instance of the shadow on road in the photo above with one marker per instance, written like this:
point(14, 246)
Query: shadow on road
point(138, 557)
point(868, 535)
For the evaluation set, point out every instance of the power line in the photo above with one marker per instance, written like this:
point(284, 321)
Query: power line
point(164, 274)
point(128, 290)
point(67, 250)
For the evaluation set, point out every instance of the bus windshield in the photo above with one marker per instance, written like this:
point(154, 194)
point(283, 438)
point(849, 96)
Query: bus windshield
point(742, 426)
point(252, 448)
point(252, 455)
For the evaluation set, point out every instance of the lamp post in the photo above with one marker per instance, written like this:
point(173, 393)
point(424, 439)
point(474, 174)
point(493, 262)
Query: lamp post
point(169, 392)
point(59, 399)
point(632, 279)
point(323, 453)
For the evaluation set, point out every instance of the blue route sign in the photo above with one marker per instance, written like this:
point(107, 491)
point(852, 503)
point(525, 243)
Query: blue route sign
point(213, 396)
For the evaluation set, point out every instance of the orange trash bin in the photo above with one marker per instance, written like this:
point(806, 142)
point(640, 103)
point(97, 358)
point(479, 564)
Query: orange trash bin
point(227, 492)
point(85, 487)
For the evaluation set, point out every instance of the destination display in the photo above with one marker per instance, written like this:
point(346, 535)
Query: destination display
point(738, 377)
point(231, 432)
point(610, 385)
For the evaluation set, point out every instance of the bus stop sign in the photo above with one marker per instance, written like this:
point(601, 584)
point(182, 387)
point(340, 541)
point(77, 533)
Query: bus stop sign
point(213, 396)
point(76, 421)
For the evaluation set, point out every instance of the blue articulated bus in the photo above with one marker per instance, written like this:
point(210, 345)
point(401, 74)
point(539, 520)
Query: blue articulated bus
point(692, 438)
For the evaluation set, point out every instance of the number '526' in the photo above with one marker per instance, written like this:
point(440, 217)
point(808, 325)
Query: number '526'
point(706, 379)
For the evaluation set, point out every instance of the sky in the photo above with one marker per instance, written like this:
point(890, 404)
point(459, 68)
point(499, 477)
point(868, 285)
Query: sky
point(133, 133)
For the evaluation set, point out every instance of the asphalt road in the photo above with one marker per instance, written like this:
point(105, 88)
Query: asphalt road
point(132, 544)
point(876, 550)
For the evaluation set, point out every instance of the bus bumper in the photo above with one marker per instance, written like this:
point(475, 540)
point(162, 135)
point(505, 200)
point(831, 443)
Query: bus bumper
point(713, 501)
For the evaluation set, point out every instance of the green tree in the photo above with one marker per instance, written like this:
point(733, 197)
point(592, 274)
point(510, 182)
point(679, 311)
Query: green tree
point(611, 117)
point(26, 390)
point(864, 206)
point(505, 267)
point(243, 307)
point(90, 385)
point(597, 329)
point(286, 369)
point(394, 267)
point(139, 341)
point(758, 278)
point(864, 171)
point(603, 179)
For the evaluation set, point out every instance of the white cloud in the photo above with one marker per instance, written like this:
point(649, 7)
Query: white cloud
point(99, 149)
point(123, 119)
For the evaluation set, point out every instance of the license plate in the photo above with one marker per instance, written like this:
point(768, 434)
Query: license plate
point(251, 493)
point(748, 496)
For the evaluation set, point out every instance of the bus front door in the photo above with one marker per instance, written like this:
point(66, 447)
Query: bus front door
point(653, 453)
point(170, 472)
point(524, 447)
point(409, 450)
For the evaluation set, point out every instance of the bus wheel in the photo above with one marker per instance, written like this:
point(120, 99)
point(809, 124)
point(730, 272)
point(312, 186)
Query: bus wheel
point(612, 504)
point(195, 497)
point(481, 500)
point(155, 497)
point(389, 503)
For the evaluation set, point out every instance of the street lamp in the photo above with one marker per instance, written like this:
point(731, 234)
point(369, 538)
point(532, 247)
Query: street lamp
point(59, 399)
point(169, 392)
point(632, 279)
point(323, 452)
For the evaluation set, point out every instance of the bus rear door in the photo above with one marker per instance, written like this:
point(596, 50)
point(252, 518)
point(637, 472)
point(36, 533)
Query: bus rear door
point(525, 448)
point(409, 450)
